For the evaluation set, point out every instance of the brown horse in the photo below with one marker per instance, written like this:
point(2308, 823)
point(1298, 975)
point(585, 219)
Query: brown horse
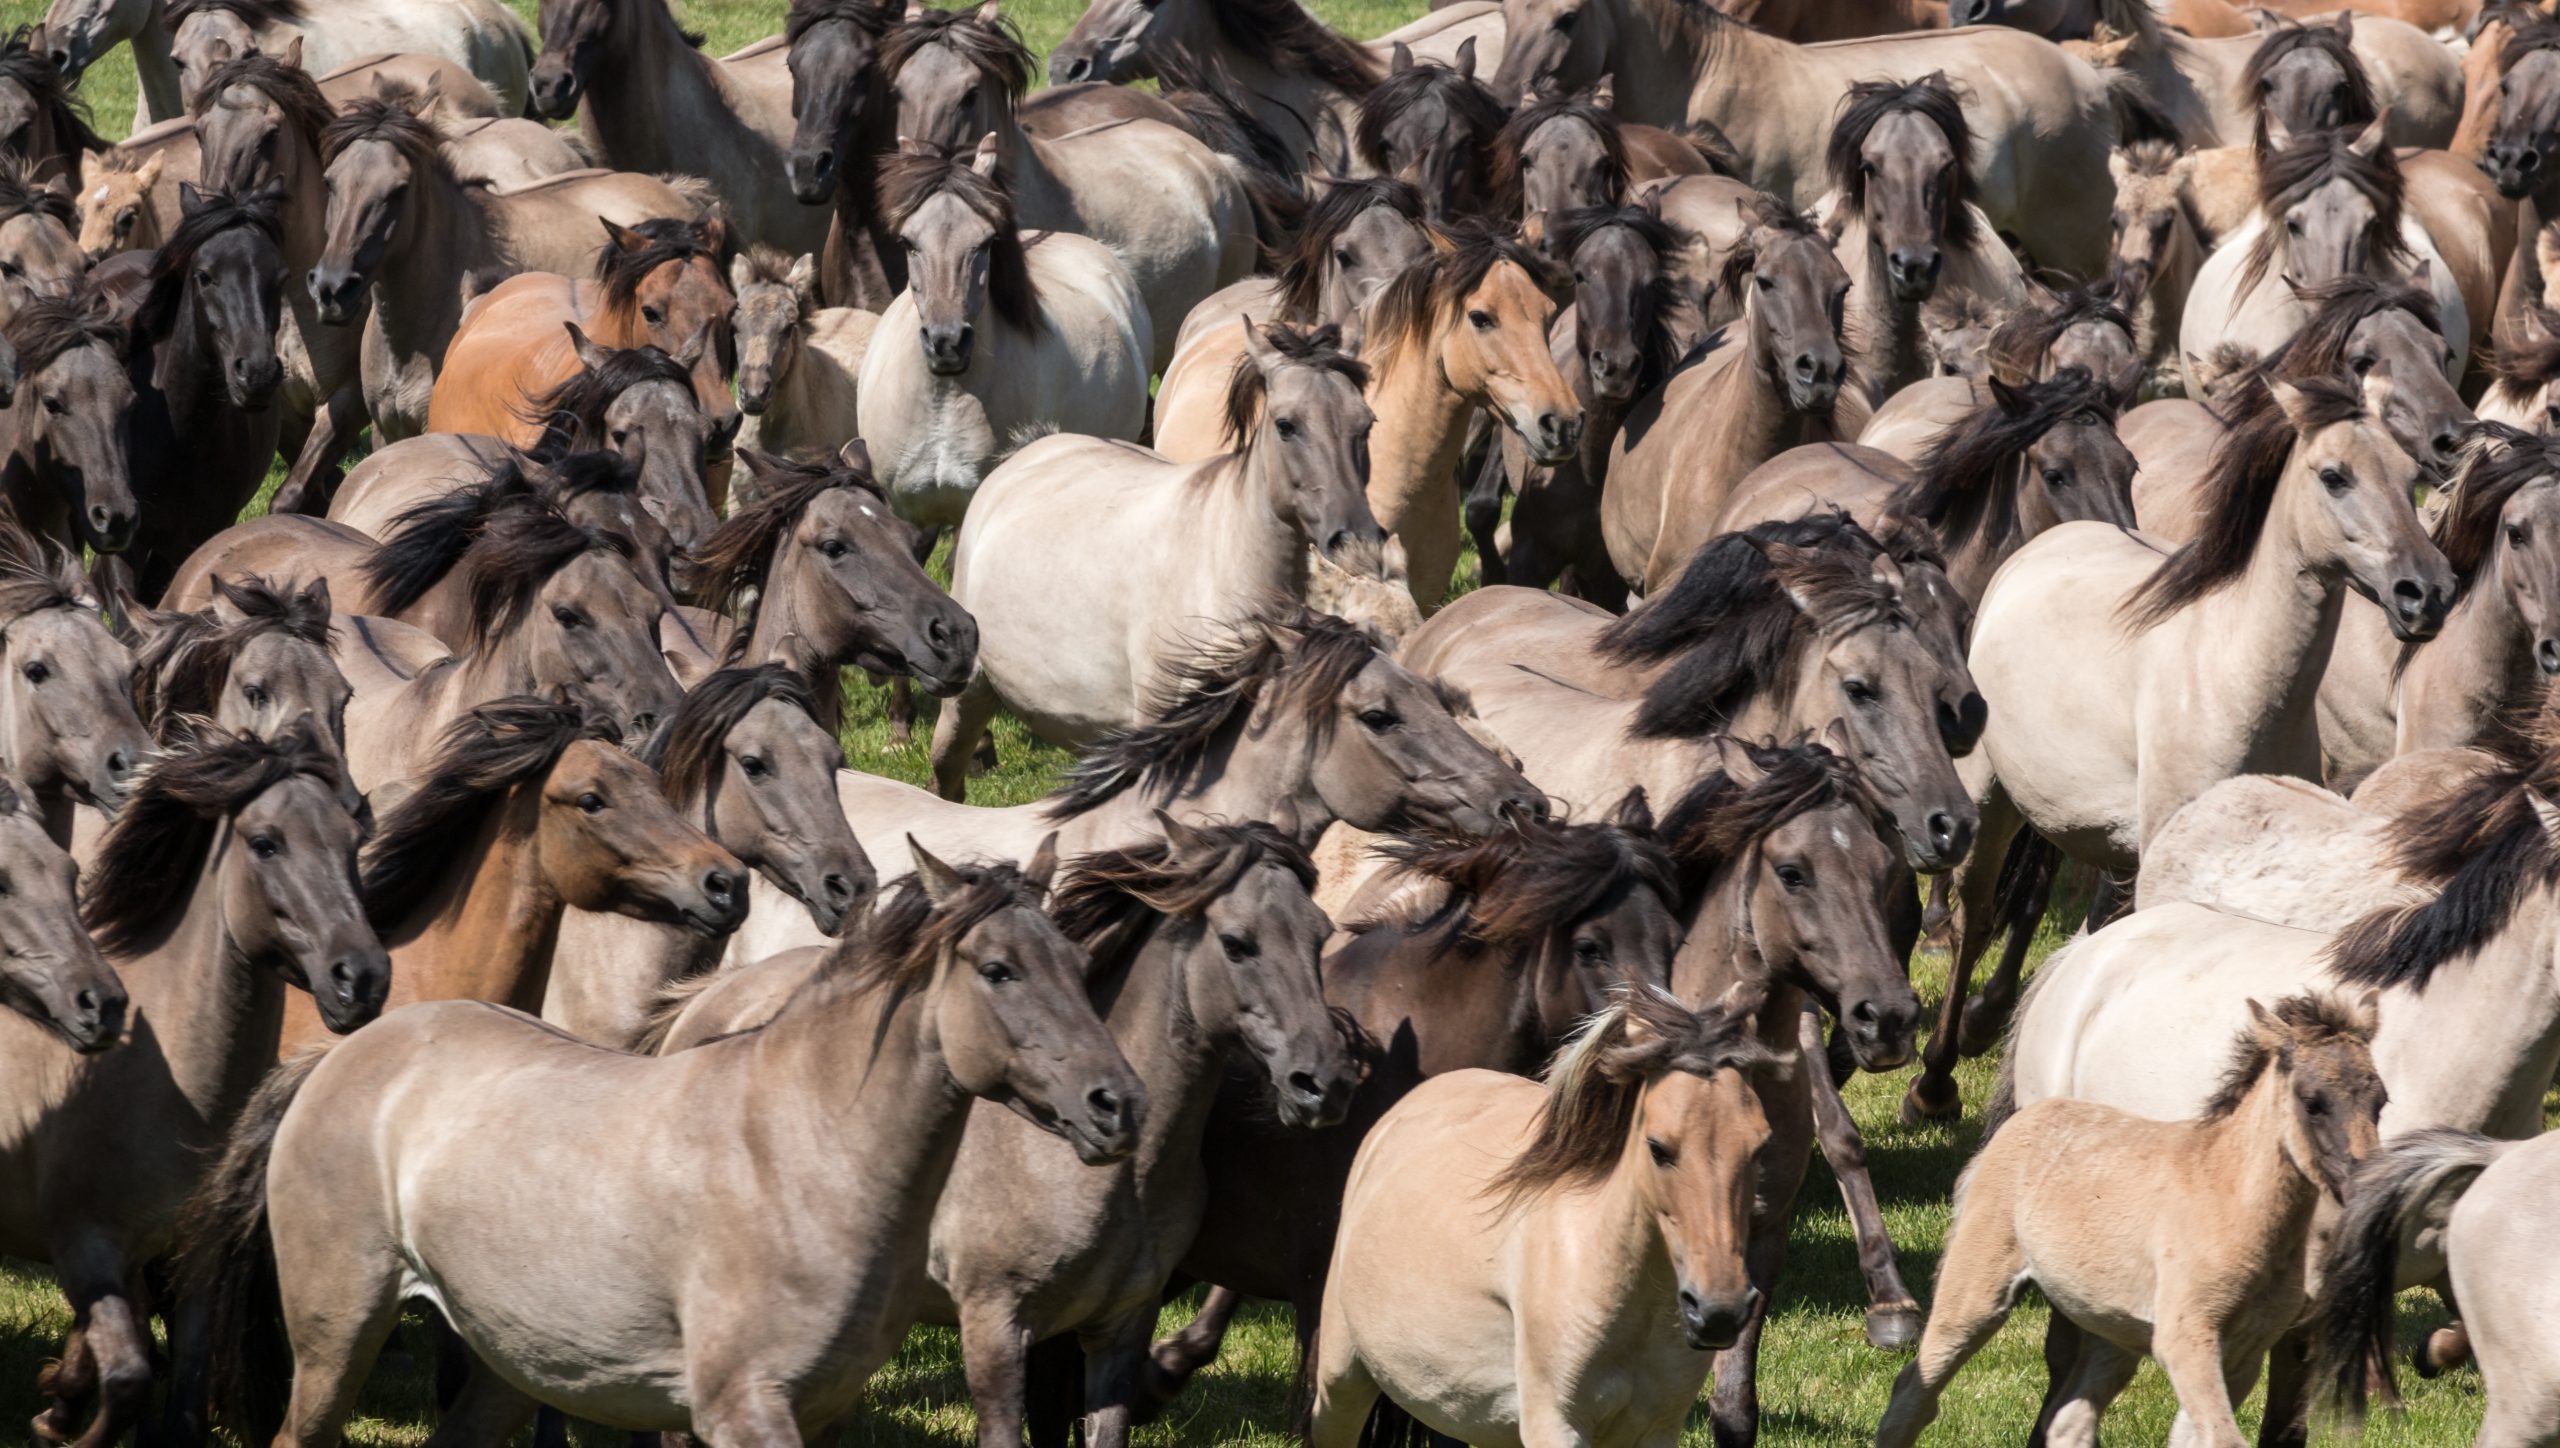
point(66, 472)
point(1568, 151)
point(42, 121)
point(256, 662)
point(39, 256)
point(1434, 126)
point(68, 732)
point(796, 1164)
point(229, 874)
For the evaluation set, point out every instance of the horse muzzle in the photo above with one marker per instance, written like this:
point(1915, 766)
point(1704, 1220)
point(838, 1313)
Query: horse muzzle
point(338, 294)
point(813, 175)
point(1713, 1322)
point(555, 92)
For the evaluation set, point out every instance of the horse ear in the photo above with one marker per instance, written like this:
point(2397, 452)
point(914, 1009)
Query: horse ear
point(225, 604)
point(2346, 22)
point(1403, 60)
point(740, 273)
point(803, 278)
point(2264, 1025)
point(2365, 1011)
point(941, 882)
point(2547, 812)
point(316, 595)
point(2423, 275)
point(1257, 346)
point(189, 198)
point(715, 234)
point(985, 161)
point(1044, 863)
point(291, 56)
point(1467, 58)
point(2377, 389)
point(991, 14)
point(1180, 838)
point(590, 356)
point(856, 454)
point(2370, 140)
point(428, 108)
point(914, 10)
point(2012, 401)
point(1604, 91)
point(149, 175)
point(2119, 168)
point(759, 463)
point(623, 237)
point(1633, 812)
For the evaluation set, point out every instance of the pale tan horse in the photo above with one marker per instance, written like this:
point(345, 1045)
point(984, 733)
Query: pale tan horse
point(1360, 233)
point(1083, 616)
point(1467, 330)
point(2170, 673)
point(40, 251)
point(1014, 336)
point(846, 1110)
point(226, 884)
point(1173, 211)
point(2043, 119)
point(1534, 1263)
point(404, 230)
point(2159, 248)
point(2188, 1241)
point(1775, 379)
point(799, 362)
point(2500, 646)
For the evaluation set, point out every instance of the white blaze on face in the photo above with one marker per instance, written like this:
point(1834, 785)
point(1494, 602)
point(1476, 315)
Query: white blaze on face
point(1839, 837)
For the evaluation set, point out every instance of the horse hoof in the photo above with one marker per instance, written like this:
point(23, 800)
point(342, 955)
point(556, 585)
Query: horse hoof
point(1924, 1104)
point(1894, 1328)
point(45, 1432)
point(1984, 1024)
point(2445, 1349)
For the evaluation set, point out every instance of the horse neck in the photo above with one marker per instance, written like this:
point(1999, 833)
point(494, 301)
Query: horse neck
point(1022, 159)
point(779, 637)
point(186, 366)
point(1323, 113)
point(1614, 1238)
point(2163, 308)
point(1421, 428)
point(864, 263)
point(1892, 343)
point(306, 210)
point(1758, 422)
point(2481, 665)
point(2280, 616)
point(1242, 506)
point(647, 75)
point(1655, 65)
point(1247, 776)
point(485, 930)
point(417, 294)
point(2267, 1198)
point(214, 1017)
point(155, 65)
point(2501, 1008)
point(1178, 1056)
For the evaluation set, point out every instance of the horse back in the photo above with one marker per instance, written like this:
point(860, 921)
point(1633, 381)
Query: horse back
point(512, 345)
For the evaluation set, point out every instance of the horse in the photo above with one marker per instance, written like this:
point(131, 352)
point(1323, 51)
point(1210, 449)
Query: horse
point(1292, 718)
point(1468, 330)
point(958, 968)
point(461, 480)
point(1067, 332)
point(40, 256)
point(1171, 209)
point(2521, 392)
point(1568, 151)
point(2191, 1241)
point(399, 216)
point(1772, 380)
point(42, 121)
point(1643, 1138)
point(67, 474)
point(69, 735)
point(2043, 119)
point(2029, 459)
point(205, 373)
point(1434, 126)
point(477, 37)
point(743, 760)
point(256, 662)
point(2158, 250)
point(225, 885)
point(1078, 653)
point(1900, 157)
point(799, 362)
point(842, 122)
point(2330, 205)
point(115, 199)
point(54, 978)
point(2311, 497)
point(648, 100)
point(2497, 650)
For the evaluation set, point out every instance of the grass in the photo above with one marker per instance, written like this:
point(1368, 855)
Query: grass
point(1820, 1383)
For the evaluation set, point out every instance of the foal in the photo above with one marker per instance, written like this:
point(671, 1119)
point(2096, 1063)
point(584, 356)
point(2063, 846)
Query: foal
point(2183, 1239)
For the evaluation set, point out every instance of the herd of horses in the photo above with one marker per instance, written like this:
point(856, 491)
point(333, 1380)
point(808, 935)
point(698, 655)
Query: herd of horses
point(2009, 442)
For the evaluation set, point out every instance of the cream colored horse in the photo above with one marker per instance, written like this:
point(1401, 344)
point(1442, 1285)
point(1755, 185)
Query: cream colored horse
point(1526, 1263)
point(798, 361)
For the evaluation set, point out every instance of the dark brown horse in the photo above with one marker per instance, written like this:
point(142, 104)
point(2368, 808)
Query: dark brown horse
point(67, 472)
point(843, 119)
point(1434, 126)
point(41, 118)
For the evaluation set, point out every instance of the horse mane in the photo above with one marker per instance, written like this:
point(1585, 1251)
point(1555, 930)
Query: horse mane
point(178, 671)
point(158, 840)
point(174, 264)
point(2017, 347)
point(1511, 144)
point(393, 120)
point(686, 749)
point(1516, 885)
point(1933, 99)
point(1660, 345)
point(1409, 308)
point(1722, 817)
point(482, 756)
point(24, 193)
point(768, 266)
point(256, 14)
point(47, 327)
point(2357, 107)
point(1299, 267)
point(915, 175)
point(2312, 1016)
point(35, 573)
point(1286, 657)
point(34, 72)
point(2485, 845)
point(289, 88)
point(1766, 213)
point(2528, 358)
point(2337, 307)
point(2239, 486)
point(996, 51)
point(2529, 31)
point(1104, 900)
point(1732, 619)
point(868, 16)
point(665, 240)
point(895, 946)
point(2497, 462)
point(572, 411)
point(1961, 488)
point(1471, 100)
point(1283, 35)
point(732, 563)
point(2309, 162)
point(506, 543)
point(1299, 346)
point(1595, 1082)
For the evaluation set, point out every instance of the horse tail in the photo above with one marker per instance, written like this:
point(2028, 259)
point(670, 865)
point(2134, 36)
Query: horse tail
point(227, 1260)
point(1261, 163)
point(1709, 140)
point(2394, 1187)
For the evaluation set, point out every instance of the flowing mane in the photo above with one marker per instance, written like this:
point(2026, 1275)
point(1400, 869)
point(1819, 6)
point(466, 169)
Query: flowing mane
point(915, 176)
point(1665, 298)
point(1512, 888)
point(686, 749)
point(1723, 816)
point(1105, 900)
point(2305, 164)
point(2018, 346)
point(897, 945)
point(178, 671)
point(1731, 622)
point(1966, 485)
point(1299, 267)
point(664, 241)
point(159, 838)
point(1511, 144)
point(571, 413)
point(24, 193)
point(55, 98)
point(730, 565)
point(2497, 462)
point(1933, 99)
point(1288, 660)
point(394, 121)
point(2247, 466)
point(174, 264)
point(868, 16)
point(1281, 34)
point(289, 88)
point(994, 49)
point(2313, 1017)
point(48, 327)
point(1597, 1079)
point(35, 574)
point(2337, 307)
point(485, 754)
point(1409, 309)
point(1469, 99)
point(1298, 346)
point(2528, 359)
point(507, 547)
point(2356, 107)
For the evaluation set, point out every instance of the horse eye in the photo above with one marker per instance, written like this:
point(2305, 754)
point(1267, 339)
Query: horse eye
point(1793, 877)
point(2362, 365)
point(751, 766)
point(1664, 1153)
point(1287, 429)
point(2055, 477)
point(1764, 283)
point(995, 972)
point(2316, 1105)
point(834, 548)
point(1344, 258)
point(1378, 721)
point(11, 270)
point(265, 847)
point(621, 436)
point(2293, 226)
point(1480, 319)
point(36, 672)
point(1859, 690)
point(653, 316)
point(2336, 480)
point(1236, 947)
point(566, 616)
point(256, 697)
point(2515, 535)
point(57, 407)
point(591, 803)
point(1588, 951)
point(1565, 21)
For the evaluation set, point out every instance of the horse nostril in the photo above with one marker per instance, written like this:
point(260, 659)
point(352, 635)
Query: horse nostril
point(2409, 596)
point(721, 886)
point(1105, 1104)
point(837, 887)
point(118, 766)
point(1942, 828)
point(1805, 365)
point(2546, 654)
point(1304, 1083)
point(87, 1001)
point(342, 974)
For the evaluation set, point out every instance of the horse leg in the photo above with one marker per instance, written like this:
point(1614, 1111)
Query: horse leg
point(1975, 1292)
point(1344, 1393)
point(314, 475)
point(956, 731)
point(487, 1411)
point(2287, 1420)
point(1114, 1374)
point(994, 1347)
point(902, 711)
point(1733, 1410)
point(1933, 1095)
point(1483, 513)
point(1893, 1314)
point(184, 1418)
point(2100, 1376)
point(754, 1414)
point(67, 1384)
point(341, 1303)
point(120, 1345)
point(2063, 1345)
point(2022, 900)
point(2449, 1346)
point(1053, 1397)
point(2190, 1352)
point(1196, 1346)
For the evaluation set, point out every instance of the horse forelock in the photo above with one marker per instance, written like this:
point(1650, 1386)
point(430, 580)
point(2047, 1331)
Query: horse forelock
point(739, 553)
point(1511, 145)
point(2307, 1019)
point(1933, 98)
point(1724, 815)
point(1412, 308)
point(2357, 107)
point(2018, 346)
point(686, 749)
point(1101, 896)
point(871, 17)
point(1470, 99)
point(996, 51)
point(1515, 886)
point(289, 88)
point(1316, 347)
point(482, 757)
point(1298, 272)
point(1963, 487)
point(2309, 162)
